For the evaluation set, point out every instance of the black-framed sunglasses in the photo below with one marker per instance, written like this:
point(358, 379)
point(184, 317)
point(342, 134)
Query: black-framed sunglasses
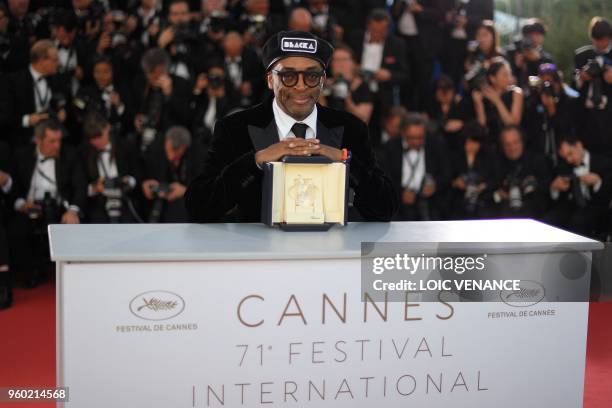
point(311, 79)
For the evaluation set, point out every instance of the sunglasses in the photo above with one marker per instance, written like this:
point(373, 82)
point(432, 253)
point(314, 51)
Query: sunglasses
point(311, 79)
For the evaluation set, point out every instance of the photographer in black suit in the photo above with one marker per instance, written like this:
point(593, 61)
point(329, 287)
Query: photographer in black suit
point(230, 187)
point(29, 96)
point(169, 166)
point(111, 170)
point(419, 167)
point(581, 189)
point(593, 65)
point(163, 99)
point(49, 187)
point(522, 178)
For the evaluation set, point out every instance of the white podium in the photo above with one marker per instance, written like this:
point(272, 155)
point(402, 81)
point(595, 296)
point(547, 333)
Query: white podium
point(228, 315)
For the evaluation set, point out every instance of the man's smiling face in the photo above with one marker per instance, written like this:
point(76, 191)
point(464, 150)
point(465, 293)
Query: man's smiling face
point(297, 101)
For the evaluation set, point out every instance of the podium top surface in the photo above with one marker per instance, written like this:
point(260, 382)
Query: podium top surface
point(201, 242)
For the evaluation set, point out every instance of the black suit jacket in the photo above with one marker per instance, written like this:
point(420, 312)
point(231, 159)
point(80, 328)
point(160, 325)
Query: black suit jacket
point(437, 163)
point(16, 100)
point(600, 165)
point(69, 176)
point(394, 60)
point(230, 185)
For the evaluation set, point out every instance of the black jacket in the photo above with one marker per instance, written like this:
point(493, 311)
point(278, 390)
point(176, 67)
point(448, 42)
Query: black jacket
point(230, 185)
point(71, 184)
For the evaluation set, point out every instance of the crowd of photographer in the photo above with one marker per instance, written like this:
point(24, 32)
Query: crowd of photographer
point(107, 109)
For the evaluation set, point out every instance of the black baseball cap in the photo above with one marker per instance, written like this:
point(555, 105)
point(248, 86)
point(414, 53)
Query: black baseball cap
point(296, 44)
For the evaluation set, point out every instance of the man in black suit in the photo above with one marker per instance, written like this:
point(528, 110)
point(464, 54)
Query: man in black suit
point(169, 166)
point(593, 65)
point(48, 187)
point(107, 96)
point(291, 123)
point(420, 23)
point(27, 96)
point(522, 178)
point(163, 99)
point(243, 68)
point(419, 167)
point(111, 170)
point(382, 57)
point(581, 189)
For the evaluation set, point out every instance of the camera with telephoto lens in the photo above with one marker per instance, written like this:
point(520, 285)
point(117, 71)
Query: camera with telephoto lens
point(219, 21)
point(184, 33)
point(575, 190)
point(540, 87)
point(595, 68)
point(524, 44)
point(48, 213)
point(158, 202)
point(518, 190)
point(256, 25)
point(340, 88)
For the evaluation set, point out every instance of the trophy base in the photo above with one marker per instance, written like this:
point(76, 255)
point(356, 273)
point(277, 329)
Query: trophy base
point(305, 227)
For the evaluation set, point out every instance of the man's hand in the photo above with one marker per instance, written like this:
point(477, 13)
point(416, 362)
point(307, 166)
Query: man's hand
point(246, 89)
point(115, 99)
point(146, 188)
point(164, 82)
point(166, 37)
point(70, 217)
point(428, 190)
point(97, 187)
point(382, 75)
point(61, 115)
point(200, 84)
point(584, 76)
point(459, 183)
point(590, 179)
point(560, 184)
point(29, 205)
point(607, 75)
point(103, 43)
point(408, 197)
point(139, 122)
point(35, 118)
point(4, 178)
point(177, 190)
point(287, 147)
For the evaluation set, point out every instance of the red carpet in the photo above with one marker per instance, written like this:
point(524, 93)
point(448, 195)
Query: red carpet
point(27, 346)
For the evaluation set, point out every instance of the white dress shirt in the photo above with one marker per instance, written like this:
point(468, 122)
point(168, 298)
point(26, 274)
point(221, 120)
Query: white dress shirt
point(372, 55)
point(407, 24)
point(413, 168)
point(42, 95)
point(284, 123)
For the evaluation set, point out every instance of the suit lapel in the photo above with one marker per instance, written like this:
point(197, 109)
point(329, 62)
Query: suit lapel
point(330, 136)
point(263, 137)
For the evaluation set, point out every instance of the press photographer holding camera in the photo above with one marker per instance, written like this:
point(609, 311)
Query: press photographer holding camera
point(169, 166)
point(549, 109)
point(522, 177)
point(527, 53)
point(593, 65)
point(111, 171)
point(49, 187)
point(179, 38)
point(581, 188)
point(162, 98)
point(31, 95)
point(212, 100)
point(345, 89)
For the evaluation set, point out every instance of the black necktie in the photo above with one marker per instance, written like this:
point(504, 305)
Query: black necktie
point(299, 130)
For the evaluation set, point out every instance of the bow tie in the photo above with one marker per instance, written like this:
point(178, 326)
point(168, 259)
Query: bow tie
point(63, 47)
point(44, 159)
